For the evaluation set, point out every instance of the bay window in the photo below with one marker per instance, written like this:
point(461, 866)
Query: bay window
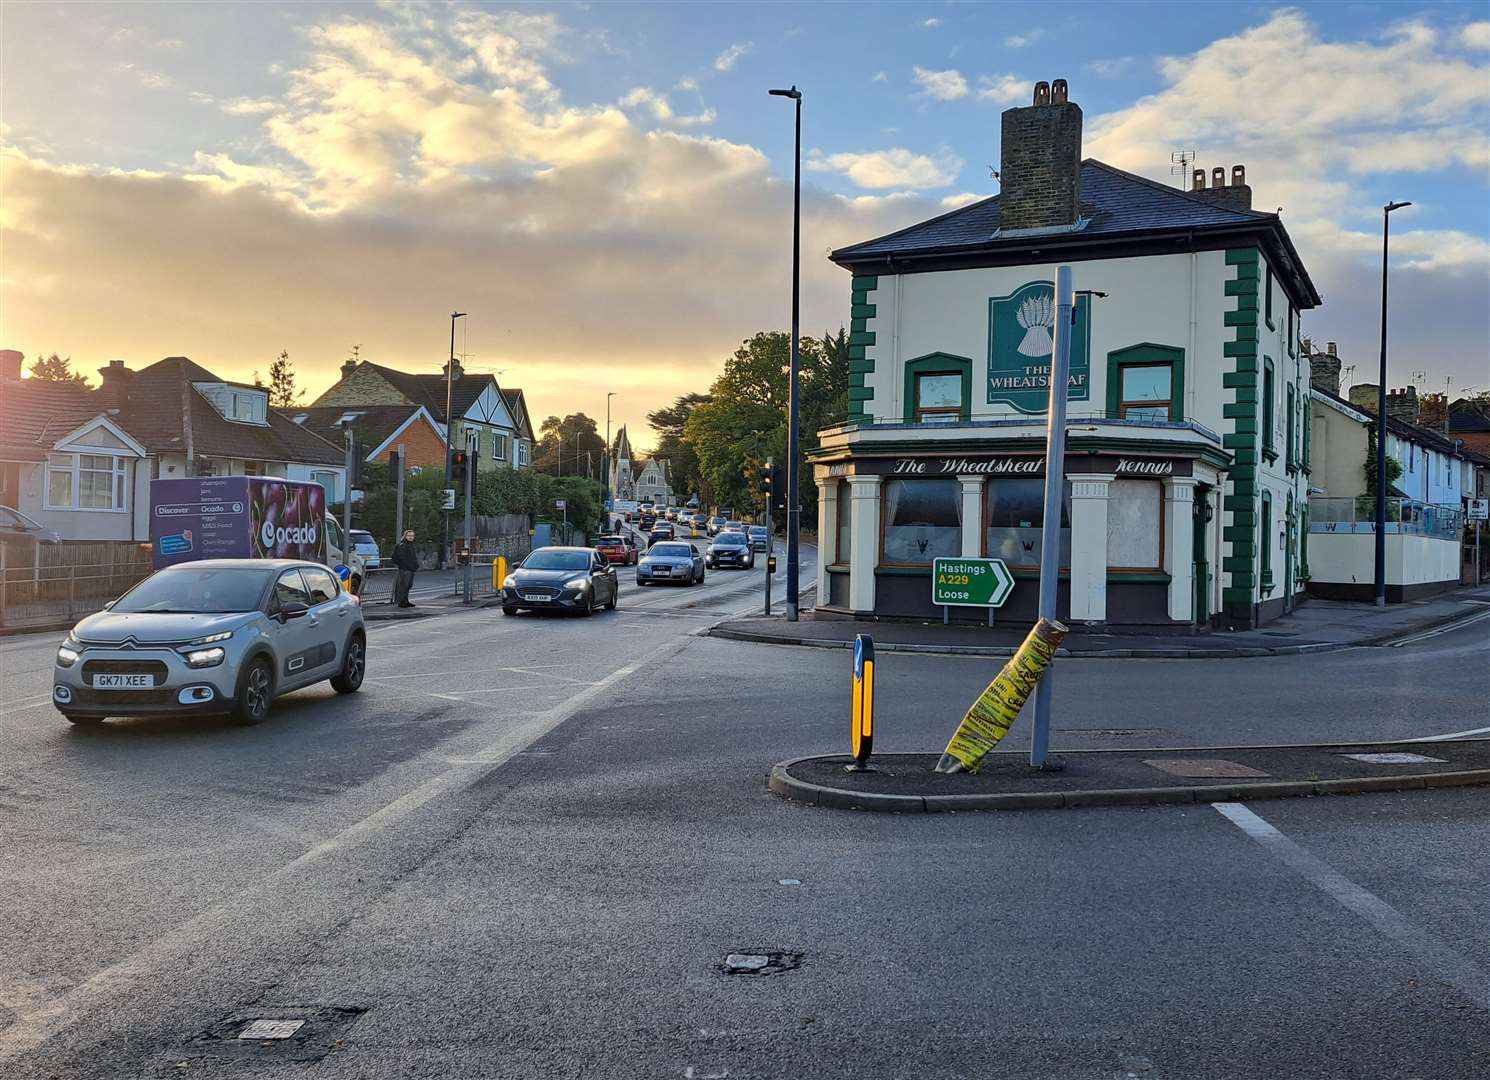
point(87, 482)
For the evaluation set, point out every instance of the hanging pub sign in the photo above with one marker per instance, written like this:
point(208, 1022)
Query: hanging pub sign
point(1020, 343)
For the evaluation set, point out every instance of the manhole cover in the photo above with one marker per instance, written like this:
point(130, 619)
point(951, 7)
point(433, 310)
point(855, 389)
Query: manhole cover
point(1396, 759)
point(760, 962)
point(271, 1029)
point(1201, 768)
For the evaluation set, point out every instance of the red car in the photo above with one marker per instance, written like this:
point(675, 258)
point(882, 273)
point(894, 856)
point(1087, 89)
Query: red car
point(620, 550)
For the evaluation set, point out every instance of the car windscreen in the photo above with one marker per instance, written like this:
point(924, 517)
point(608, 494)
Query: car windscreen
point(610, 540)
point(672, 550)
point(557, 560)
point(192, 591)
point(730, 539)
point(360, 537)
point(757, 530)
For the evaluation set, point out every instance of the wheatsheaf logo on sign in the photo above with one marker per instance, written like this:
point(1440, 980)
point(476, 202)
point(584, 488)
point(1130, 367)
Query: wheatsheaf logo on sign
point(1020, 326)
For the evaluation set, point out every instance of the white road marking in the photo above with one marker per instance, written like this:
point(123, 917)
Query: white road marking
point(38, 1021)
point(1451, 735)
point(1447, 964)
point(1479, 616)
point(26, 706)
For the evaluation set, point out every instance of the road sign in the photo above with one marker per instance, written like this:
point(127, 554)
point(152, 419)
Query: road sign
point(1479, 509)
point(968, 582)
point(560, 504)
point(449, 503)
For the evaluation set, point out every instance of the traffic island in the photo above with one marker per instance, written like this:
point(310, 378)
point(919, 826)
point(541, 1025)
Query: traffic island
point(907, 783)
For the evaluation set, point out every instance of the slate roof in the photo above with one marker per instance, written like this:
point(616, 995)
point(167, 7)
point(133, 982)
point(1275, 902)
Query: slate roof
point(518, 406)
point(429, 389)
point(35, 413)
point(1469, 416)
point(372, 424)
point(1117, 205)
point(1433, 440)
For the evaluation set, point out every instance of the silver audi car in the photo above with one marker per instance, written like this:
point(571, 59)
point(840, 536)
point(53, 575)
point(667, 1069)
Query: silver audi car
point(217, 636)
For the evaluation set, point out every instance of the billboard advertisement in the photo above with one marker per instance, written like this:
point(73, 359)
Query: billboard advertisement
point(236, 517)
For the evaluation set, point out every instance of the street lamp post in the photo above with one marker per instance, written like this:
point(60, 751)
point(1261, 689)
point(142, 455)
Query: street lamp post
point(1381, 419)
point(605, 458)
point(450, 415)
point(793, 510)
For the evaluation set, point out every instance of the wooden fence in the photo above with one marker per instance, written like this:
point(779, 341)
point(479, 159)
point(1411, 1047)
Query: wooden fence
point(49, 583)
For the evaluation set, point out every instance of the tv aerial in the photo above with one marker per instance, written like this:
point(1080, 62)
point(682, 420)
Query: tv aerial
point(1179, 165)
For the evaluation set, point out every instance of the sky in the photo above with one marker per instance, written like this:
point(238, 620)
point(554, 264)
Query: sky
point(606, 188)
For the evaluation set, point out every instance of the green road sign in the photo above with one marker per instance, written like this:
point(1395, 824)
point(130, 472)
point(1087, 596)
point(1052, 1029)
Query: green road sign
point(970, 582)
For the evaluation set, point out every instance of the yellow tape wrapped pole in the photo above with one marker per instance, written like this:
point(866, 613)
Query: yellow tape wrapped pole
point(997, 707)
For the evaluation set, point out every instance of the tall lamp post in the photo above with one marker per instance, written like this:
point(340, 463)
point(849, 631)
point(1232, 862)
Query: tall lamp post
point(793, 511)
point(450, 415)
point(1381, 418)
point(605, 459)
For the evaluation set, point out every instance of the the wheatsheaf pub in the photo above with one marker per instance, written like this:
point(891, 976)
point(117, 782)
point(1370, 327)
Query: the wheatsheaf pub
point(1188, 438)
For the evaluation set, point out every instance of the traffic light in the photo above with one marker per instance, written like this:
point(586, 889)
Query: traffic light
point(766, 471)
point(772, 483)
point(460, 461)
point(355, 480)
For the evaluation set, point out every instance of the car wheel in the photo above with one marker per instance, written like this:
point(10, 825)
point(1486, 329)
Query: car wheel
point(589, 608)
point(83, 721)
point(615, 598)
point(509, 611)
point(255, 692)
point(353, 667)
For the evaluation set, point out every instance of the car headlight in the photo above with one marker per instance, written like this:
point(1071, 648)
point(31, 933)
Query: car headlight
point(205, 657)
point(510, 582)
point(66, 655)
point(577, 583)
point(209, 639)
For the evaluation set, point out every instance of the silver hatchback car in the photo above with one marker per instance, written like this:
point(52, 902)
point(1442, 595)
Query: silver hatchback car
point(217, 636)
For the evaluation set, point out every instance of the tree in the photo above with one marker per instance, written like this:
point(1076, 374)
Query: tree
point(283, 394)
point(575, 435)
point(1394, 467)
point(671, 423)
point(55, 369)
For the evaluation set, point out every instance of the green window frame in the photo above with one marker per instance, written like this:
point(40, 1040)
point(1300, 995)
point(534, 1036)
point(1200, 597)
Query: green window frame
point(1291, 431)
point(1146, 354)
point(1267, 296)
point(937, 363)
point(1269, 393)
point(1308, 429)
point(1265, 540)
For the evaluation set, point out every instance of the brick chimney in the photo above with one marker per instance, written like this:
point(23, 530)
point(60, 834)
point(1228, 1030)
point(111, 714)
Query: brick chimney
point(1364, 397)
point(458, 372)
point(1236, 195)
point(1040, 162)
point(113, 380)
point(10, 365)
point(1324, 367)
point(1403, 404)
point(348, 367)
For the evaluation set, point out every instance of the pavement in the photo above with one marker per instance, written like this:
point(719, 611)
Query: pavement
point(528, 846)
point(909, 783)
point(1315, 626)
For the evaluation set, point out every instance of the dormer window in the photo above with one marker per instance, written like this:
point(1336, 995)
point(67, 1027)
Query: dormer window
point(243, 407)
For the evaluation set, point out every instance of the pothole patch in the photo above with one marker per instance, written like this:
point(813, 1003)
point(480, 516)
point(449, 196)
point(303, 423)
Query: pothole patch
point(300, 1033)
point(760, 962)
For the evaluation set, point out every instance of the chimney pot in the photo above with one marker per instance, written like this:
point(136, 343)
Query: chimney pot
point(1058, 92)
point(1238, 175)
point(10, 365)
point(1329, 347)
point(348, 367)
point(1042, 93)
point(1218, 177)
point(1199, 180)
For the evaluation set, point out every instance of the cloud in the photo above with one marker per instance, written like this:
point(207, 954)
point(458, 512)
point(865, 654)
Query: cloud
point(1113, 68)
point(962, 198)
point(1003, 89)
point(408, 169)
point(1350, 114)
point(895, 168)
point(1475, 35)
point(931, 24)
point(249, 106)
point(662, 110)
point(726, 60)
point(880, 76)
point(942, 85)
point(1029, 37)
point(687, 83)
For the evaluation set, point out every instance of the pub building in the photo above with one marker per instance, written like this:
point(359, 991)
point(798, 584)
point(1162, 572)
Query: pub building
point(1187, 454)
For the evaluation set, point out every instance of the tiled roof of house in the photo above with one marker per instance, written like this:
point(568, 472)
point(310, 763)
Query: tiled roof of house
point(1399, 427)
point(428, 389)
point(156, 400)
point(373, 424)
point(1468, 415)
point(1114, 203)
point(35, 413)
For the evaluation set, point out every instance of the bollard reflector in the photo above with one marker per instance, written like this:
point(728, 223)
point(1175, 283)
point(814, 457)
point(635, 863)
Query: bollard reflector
point(862, 737)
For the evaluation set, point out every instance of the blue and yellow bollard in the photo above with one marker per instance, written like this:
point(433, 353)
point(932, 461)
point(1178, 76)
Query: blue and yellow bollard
point(862, 740)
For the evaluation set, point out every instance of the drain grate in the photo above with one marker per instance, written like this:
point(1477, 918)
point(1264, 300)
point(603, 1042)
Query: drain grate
point(760, 962)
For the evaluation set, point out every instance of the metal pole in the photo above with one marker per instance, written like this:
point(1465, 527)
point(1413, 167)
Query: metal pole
point(1055, 491)
point(449, 421)
point(793, 437)
point(1381, 419)
point(605, 460)
point(770, 551)
point(470, 469)
point(398, 516)
point(346, 502)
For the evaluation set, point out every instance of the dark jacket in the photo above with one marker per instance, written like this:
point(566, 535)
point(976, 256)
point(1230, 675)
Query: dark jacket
point(405, 557)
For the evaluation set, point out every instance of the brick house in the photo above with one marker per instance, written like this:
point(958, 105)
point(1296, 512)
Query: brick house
point(381, 429)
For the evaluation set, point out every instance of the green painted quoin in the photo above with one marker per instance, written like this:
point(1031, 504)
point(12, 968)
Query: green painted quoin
point(1240, 537)
point(860, 338)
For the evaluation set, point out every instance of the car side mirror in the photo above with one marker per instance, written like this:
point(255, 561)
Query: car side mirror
point(109, 605)
point(293, 610)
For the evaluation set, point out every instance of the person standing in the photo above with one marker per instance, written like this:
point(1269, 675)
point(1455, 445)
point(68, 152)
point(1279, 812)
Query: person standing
point(406, 560)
